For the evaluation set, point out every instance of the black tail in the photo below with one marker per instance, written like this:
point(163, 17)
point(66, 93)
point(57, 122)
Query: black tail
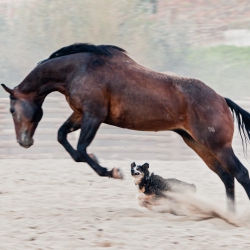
point(243, 120)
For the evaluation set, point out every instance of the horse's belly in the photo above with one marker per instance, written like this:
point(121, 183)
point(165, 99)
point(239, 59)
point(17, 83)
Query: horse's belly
point(145, 121)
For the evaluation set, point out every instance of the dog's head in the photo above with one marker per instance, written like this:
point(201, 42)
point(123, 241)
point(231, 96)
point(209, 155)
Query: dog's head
point(139, 172)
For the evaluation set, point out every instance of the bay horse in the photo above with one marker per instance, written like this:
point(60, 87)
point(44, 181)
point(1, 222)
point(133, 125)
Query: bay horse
point(102, 84)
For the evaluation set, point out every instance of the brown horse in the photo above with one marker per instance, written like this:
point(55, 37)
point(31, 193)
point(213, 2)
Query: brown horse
point(102, 84)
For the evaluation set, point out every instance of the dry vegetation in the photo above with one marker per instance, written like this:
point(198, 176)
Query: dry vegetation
point(162, 35)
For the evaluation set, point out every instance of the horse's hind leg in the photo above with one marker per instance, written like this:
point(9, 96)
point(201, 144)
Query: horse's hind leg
point(233, 166)
point(213, 163)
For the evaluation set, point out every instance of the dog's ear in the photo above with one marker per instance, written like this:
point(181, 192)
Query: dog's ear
point(145, 166)
point(133, 164)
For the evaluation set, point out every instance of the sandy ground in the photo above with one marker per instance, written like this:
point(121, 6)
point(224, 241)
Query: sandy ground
point(59, 204)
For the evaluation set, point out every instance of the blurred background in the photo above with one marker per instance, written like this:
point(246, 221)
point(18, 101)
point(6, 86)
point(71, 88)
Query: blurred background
point(208, 40)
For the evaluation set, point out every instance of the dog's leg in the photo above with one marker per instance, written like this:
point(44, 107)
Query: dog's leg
point(147, 201)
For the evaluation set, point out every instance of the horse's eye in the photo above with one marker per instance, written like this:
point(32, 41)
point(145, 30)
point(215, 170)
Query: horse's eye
point(12, 110)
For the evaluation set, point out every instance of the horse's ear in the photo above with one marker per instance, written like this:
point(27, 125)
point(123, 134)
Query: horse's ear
point(133, 164)
point(145, 165)
point(10, 91)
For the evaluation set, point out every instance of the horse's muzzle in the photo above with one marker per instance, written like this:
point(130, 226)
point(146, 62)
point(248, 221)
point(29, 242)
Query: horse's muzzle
point(26, 143)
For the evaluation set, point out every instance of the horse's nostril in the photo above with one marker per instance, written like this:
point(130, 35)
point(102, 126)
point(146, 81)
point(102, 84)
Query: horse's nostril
point(12, 110)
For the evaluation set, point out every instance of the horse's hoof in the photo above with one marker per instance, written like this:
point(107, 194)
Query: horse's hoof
point(94, 158)
point(117, 173)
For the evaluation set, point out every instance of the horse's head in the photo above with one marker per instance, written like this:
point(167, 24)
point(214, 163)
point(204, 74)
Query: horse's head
point(26, 115)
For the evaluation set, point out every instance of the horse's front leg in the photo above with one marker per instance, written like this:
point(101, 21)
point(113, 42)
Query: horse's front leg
point(72, 124)
point(89, 126)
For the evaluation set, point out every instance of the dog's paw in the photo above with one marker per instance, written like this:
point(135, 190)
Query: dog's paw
point(117, 173)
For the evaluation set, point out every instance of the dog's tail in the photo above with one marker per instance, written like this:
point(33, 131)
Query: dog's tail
point(180, 186)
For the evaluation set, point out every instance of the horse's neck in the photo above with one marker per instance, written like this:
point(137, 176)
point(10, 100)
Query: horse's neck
point(44, 80)
point(46, 89)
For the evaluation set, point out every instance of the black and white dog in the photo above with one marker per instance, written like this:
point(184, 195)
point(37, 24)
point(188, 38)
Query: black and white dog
point(155, 187)
point(172, 196)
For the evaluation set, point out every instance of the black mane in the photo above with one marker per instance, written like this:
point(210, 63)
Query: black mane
point(105, 50)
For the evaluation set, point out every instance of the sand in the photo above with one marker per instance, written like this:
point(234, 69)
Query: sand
point(60, 204)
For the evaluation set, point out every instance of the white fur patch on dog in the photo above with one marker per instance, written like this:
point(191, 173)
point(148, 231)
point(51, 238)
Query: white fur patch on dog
point(138, 175)
point(138, 178)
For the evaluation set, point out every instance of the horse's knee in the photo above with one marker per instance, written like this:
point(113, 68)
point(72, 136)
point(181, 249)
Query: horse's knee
point(78, 157)
point(61, 135)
